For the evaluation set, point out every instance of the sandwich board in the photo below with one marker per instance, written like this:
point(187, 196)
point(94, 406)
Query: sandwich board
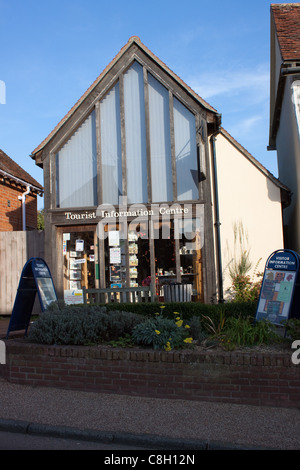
point(279, 297)
point(35, 279)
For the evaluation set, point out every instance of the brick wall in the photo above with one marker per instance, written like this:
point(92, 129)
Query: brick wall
point(243, 378)
point(11, 208)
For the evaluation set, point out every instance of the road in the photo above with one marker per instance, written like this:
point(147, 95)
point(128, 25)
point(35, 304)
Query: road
point(16, 441)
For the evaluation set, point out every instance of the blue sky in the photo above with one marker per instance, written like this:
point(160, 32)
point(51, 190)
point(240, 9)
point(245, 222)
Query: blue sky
point(52, 50)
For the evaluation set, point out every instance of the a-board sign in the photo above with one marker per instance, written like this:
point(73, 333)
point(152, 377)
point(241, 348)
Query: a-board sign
point(280, 290)
point(35, 279)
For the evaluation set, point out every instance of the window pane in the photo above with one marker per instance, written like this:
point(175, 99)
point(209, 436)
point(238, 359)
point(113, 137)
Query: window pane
point(76, 168)
point(160, 142)
point(186, 153)
point(135, 134)
point(111, 155)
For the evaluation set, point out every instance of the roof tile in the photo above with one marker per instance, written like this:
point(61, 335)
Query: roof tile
point(287, 22)
point(13, 169)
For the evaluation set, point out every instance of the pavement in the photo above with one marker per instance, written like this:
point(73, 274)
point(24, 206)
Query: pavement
point(143, 422)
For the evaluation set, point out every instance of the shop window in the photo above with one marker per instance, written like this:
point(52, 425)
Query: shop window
point(80, 259)
point(165, 257)
point(76, 168)
point(115, 256)
point(185, 268)
point(190, 244)
point(139, 255)
point(122, 270)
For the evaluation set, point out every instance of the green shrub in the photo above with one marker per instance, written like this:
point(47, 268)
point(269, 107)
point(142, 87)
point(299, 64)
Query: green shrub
point(245, 290)
point(86, 324)
point(197, 331)
point(236, 332)
point(293, 328)
point(78, 326)
point(188, 309)
point(160, 332)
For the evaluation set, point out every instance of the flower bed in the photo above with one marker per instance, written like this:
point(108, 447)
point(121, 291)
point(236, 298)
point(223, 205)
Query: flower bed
point(250, 377)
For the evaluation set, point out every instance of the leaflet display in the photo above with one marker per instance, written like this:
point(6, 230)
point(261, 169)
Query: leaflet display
point(280, 287)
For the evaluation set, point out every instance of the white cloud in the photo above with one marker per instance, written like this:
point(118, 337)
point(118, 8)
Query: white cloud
point(245, 126)
point(233, 82)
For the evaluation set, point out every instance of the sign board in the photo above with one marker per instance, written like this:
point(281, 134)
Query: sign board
point(280, 290)
point(73, 296)
point(35, 278)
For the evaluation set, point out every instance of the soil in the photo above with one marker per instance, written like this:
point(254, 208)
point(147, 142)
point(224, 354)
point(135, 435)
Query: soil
point(282, 347)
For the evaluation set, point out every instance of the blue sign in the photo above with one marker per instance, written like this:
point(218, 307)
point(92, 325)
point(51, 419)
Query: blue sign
point(283, 260)
point(280, 290)
point(35, 278)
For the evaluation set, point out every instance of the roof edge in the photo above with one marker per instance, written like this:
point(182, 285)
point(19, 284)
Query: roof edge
point(253, 160)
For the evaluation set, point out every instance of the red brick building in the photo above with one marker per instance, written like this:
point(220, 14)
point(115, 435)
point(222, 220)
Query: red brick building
point(18, 197)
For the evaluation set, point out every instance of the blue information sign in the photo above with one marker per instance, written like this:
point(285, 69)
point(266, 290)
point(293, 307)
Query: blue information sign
point(35, 278)
point(280, 290)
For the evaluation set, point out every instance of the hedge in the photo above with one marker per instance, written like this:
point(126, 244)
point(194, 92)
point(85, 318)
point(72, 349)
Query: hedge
point(188, 309)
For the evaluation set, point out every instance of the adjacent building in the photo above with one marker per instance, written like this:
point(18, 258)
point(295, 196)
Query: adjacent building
point(18, 197)
point(144, 186)
point(285, 110)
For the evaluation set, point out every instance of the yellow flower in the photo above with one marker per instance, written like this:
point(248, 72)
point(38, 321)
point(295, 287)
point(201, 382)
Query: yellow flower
point(168, 346)
point(177, 318)
point(157, 332)
point(187, 326)
point(176, 313)
point(188, 340)
point(162, 306)
point(179, 323)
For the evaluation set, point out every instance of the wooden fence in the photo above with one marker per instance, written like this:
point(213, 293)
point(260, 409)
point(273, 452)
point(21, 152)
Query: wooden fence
point(128, 294)
point(15, 249)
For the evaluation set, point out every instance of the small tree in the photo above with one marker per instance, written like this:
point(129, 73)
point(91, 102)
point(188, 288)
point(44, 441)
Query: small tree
point(41, 220)
point(245, 288)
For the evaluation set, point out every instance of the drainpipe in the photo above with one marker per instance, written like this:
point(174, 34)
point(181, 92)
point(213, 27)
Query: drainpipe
point(23, 199)
point(217, 216)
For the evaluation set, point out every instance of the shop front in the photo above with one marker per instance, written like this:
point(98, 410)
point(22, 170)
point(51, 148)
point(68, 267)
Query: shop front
point(157, 247)
point(128, 198)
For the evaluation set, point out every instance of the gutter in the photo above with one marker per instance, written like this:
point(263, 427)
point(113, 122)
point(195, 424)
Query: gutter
point(217, 212)
point(18, 180)
point(287, 69)
point(23, 199)
point(290, 71)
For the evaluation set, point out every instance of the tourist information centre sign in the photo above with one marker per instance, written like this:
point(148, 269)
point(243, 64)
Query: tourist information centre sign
point(35, 279)
point(279, 297)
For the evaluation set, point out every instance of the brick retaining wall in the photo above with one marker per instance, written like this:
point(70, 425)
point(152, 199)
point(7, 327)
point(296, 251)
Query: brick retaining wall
point(268, 379)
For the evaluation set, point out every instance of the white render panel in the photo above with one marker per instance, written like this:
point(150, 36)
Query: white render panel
point(247, 197)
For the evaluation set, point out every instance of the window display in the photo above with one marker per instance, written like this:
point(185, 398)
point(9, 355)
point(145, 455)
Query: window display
point(79, 260)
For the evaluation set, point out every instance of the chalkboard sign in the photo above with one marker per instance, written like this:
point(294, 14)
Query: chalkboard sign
point(280, 290)
point(35, 278)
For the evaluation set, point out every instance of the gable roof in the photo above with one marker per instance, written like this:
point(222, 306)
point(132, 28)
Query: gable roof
point(11, 170)
point(133, 40)
point(287, 23)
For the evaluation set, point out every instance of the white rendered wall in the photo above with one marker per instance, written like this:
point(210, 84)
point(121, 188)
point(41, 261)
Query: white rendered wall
point(249, 198)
